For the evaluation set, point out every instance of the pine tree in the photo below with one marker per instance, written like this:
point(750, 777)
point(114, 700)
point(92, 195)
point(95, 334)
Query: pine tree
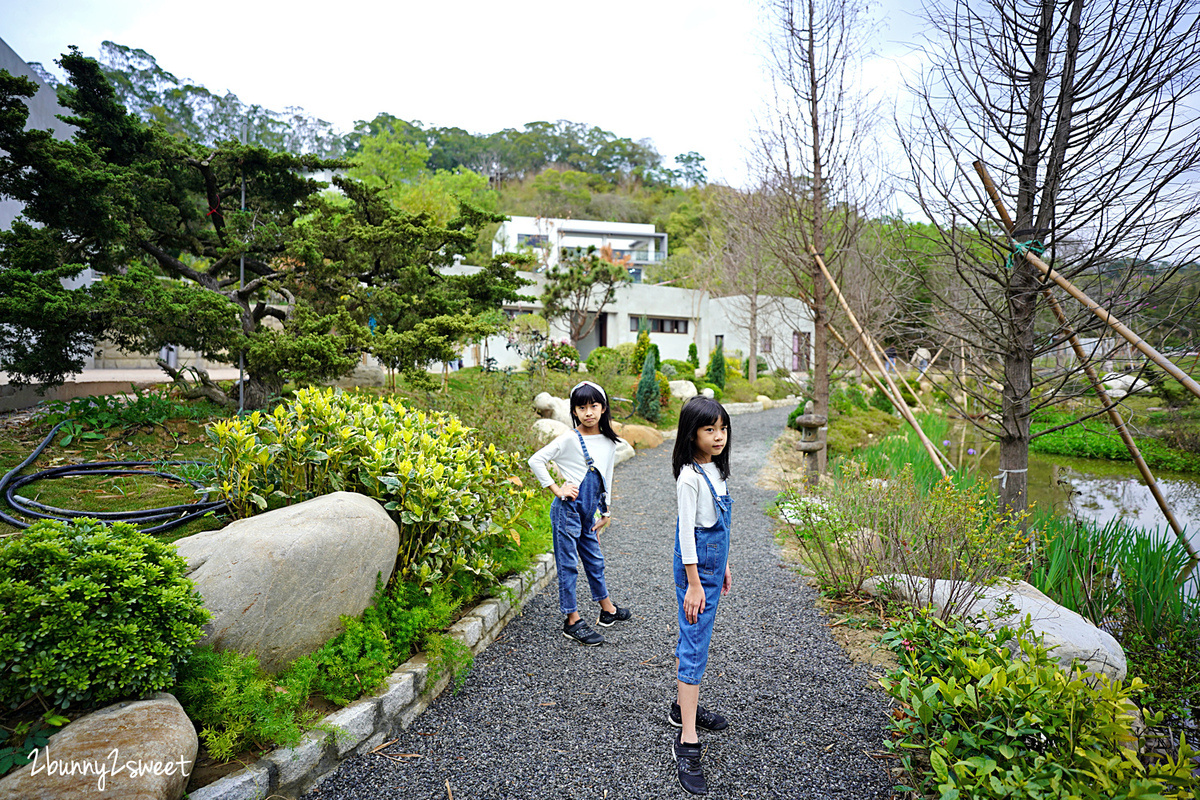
point(693, 356)
point(642, 347)
point(716, 366)
point(648, 401)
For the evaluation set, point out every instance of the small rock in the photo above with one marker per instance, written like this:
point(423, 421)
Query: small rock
point(550, 407)
point(641, 436)
point(684, 390)
point(138, 750)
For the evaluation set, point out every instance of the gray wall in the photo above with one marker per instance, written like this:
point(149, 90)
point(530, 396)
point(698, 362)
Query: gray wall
point(43, 108)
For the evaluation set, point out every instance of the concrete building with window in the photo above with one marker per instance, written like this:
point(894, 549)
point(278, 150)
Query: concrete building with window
point(676, 317)
point(635, 243)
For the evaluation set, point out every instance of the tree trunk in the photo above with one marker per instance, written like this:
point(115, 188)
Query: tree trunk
point(1018, 383)
point(752, 362)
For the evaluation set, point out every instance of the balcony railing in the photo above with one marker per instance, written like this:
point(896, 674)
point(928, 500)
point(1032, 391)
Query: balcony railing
point(640, 256)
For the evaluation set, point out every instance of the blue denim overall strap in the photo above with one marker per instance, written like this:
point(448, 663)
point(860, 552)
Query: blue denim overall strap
point(575, 541)
point(723, 502)
point(712, 550)
point(591, 465)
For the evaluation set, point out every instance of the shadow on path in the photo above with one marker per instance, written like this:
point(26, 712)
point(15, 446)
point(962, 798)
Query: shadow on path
point(542, 717)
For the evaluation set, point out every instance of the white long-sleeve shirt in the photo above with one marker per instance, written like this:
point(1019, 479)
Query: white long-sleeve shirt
point(696, 506)
point(568, 457)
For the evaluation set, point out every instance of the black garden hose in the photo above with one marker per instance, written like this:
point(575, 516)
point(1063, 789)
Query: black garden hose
point(175, 515)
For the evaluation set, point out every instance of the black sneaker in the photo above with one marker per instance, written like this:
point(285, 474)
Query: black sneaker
point(708, 720)
point(687, 766)
point(581, 633)
point(620, 615)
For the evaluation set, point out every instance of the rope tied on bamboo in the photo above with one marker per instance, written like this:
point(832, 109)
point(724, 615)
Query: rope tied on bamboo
point(1004, 473)
point(1019, 249)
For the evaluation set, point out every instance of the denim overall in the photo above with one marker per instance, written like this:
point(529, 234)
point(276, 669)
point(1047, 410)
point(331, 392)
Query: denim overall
point(572, 521)
point(712, 553)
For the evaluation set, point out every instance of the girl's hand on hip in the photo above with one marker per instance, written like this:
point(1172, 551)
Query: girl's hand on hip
point(693, 603)
point(601, 524)
point(728, 582)
point(568, 491)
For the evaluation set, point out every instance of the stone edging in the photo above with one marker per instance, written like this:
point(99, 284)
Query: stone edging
point(744, 408)
point(370, 722)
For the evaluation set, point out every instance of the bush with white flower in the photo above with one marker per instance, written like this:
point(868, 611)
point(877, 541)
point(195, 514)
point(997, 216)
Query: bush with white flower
point(561, 356)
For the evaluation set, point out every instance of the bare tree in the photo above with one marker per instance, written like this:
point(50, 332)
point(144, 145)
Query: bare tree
point(1083, 111)
point(811, 155)
point(747, 271)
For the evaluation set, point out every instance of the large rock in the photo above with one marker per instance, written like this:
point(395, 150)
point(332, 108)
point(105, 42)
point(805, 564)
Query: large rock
point(550, 407)
point(1070, 636)
point(549, 429)
point(277, 584)
point(684, 390)
point(139, 750)
point(641, 436)
point(624, 451)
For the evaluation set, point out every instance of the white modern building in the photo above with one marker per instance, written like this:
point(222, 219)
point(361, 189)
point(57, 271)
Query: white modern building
point(676, 318)
point(636, 244)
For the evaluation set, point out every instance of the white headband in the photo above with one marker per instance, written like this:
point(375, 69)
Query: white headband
point(593, 385)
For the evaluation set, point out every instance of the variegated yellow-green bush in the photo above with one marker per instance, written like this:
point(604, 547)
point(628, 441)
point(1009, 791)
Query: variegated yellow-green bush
point(455, 499)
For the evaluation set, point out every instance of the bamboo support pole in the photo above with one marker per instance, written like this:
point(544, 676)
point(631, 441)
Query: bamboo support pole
point(1109, 406)
point(1129, 336)
point(866, 371)
point(901, 406)
point(904, 380)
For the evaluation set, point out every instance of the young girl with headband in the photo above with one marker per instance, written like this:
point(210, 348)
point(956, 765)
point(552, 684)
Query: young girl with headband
point(585, 457)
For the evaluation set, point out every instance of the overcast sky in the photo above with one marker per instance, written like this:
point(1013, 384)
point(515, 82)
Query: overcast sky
point(686, 75)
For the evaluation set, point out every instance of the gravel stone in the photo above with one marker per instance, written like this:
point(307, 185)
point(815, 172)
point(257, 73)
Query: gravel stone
point(542, 717)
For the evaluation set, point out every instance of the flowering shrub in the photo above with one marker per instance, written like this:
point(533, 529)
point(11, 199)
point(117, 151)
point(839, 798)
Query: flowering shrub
point(560, 356)
point(864, 525)
point(455, 500)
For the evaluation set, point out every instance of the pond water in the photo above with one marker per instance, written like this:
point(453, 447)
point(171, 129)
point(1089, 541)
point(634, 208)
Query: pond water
point(1091, 489)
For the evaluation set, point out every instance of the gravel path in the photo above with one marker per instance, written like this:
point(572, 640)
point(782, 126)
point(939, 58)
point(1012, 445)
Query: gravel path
point(542, 717)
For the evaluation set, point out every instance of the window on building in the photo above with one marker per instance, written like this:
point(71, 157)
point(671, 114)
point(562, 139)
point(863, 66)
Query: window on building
point(719, 340)
point(532, 240)
point(660, 324)
point(764, 344)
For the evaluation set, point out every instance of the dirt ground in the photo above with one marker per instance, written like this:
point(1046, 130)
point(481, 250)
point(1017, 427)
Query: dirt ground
point(856, 625)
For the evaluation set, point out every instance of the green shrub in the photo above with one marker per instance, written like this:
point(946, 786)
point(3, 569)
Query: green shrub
point(640, 348)
point(981, 723)
point(733, 366)
point(647, 402)
point(653, 350)
point(693, 356)
point(92, 613)
point(761, 367)
point(455, 500)
point(664, 389)
point(626, 351)
point(237, 706)
point(716, 366)
point(604, 359)
point(783, 373)
point(880, 400)
point(683, 369)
